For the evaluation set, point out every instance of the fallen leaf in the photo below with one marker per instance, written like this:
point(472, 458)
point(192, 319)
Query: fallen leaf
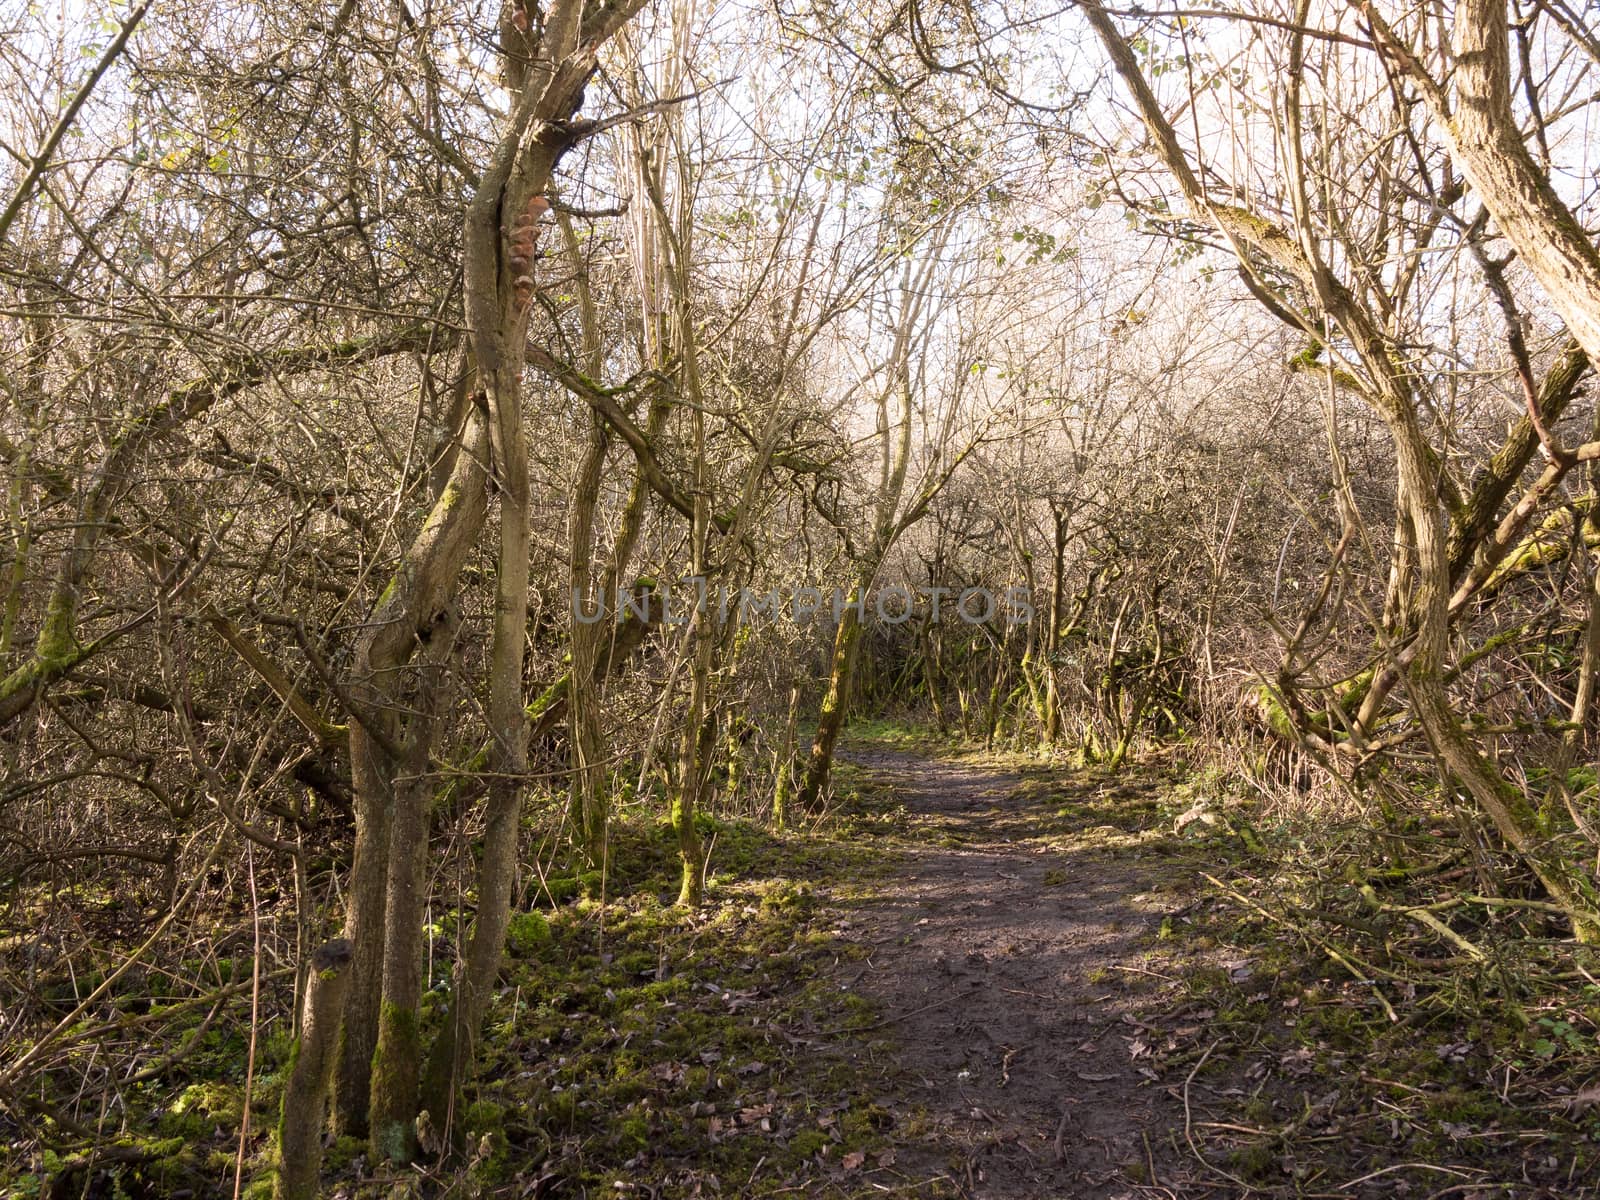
point(1585, 1099)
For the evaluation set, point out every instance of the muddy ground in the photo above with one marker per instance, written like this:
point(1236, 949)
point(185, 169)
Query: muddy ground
point(1011, 961)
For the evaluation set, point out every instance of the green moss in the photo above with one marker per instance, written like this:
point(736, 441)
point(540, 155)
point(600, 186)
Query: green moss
point(552, 695)
point(1256, 1162)
point(344, 1151)
point(394, 1071)
point(784, 896)
point(393, 1142)
point(483, 1116)
point(388, 592)
point(1459, 1106)
point(201, 1107)
point(809, 1143)
point(633, 1132)
point(527, 934)
point(57, 646)
point(639, 962)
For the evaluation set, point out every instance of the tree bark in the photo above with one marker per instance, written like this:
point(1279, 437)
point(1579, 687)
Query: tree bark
point(306, 1093)
point(401, 621)
point(501, 229)
point(835, 704)
point(1495, 159)
point(396, 1060)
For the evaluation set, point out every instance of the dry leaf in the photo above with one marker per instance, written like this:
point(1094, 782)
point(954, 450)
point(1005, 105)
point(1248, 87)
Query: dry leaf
point(1586, 1099)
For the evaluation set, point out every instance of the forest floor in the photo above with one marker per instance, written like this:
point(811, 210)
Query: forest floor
point(988, 977)
point(1073, 1008)
point(978, 977)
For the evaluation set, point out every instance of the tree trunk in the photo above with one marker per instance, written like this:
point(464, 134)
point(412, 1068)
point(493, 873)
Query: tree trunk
point(835, 704)
point(397, 1059)
point(588, 806)
point(693, 748)
point(501, 230)
point(783, 775)
point(1492, 154)
point(1052, 641)
point(306, 1093)
point(403, 616)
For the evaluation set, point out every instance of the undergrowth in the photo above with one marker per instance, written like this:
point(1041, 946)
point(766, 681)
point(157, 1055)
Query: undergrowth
point(1361, 997)
point(633, 1047)
point(1343, 1006)
point(1358, 1010)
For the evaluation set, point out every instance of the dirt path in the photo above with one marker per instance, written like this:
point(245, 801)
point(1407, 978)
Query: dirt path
point(1008, 956)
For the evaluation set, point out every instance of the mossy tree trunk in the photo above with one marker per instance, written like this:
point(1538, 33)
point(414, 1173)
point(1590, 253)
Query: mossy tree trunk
point(835, 706)
point(697, 735)
point(783, 764)
point(544, 72)
point(933, 680)
point(403, 619)
point(589, 803)
point(396, 1061)
point(1061, 517)
point(305, 1095)
point(695, 741)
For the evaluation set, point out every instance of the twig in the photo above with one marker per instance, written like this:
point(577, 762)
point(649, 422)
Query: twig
point(1188, 1120)
point(11, 1073)
point(46, 152)
point(1411, 1166)
point(255, 1013)
point(1005, 1066)
point(1543, 906)
point(1142, 971)
point(1423, 916)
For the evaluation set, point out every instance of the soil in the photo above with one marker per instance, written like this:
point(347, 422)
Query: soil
point(1009, 956)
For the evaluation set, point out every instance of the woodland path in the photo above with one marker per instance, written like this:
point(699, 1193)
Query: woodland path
point(1010, 957)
